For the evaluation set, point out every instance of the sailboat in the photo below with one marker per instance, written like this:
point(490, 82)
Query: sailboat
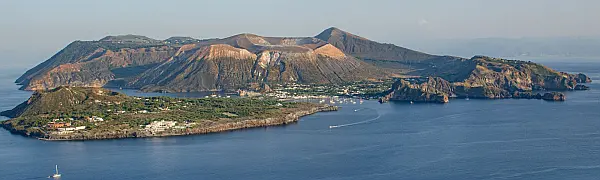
point(56, 175)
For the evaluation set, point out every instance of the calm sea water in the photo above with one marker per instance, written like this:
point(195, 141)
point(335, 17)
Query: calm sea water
point(476, 139)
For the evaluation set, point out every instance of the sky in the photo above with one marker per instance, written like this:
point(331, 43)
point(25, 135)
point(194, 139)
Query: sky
point(33, 30)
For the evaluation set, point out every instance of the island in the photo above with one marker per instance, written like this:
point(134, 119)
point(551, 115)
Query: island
point(270, 73)
point(86, 113)
point(332, 63)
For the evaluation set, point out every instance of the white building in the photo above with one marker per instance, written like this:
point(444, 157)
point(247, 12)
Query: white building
point(159, 126)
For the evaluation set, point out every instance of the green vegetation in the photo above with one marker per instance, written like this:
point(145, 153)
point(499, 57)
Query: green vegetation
point(84, 106)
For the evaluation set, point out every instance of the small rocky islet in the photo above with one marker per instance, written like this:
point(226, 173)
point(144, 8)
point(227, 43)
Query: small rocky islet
point(69, 102)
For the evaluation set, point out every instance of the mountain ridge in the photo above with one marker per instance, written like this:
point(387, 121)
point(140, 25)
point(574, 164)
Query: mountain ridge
point(181, 64)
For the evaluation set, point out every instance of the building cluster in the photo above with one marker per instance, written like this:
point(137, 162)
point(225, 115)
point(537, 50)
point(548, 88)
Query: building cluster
point(63, 127)
point(94, 119)
point(366, 90)
point(160, 126)
point(56, 125)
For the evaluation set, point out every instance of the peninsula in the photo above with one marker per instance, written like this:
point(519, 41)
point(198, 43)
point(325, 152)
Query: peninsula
point(78, 113)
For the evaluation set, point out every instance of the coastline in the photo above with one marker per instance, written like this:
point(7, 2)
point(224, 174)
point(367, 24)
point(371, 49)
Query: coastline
point(222, 127)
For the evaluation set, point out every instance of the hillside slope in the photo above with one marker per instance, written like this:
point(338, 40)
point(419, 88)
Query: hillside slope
point(63, 99)
point(225, 67)
point(387, 56)
point(94, 64)
point(182, 64)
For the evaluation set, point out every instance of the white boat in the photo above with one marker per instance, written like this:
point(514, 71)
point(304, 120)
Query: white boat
point(56, 175)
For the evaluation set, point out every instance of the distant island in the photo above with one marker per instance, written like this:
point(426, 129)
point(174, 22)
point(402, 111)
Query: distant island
point(80, 113)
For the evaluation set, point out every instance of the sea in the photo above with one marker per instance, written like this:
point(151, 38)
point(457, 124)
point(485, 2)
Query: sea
point(462, 140)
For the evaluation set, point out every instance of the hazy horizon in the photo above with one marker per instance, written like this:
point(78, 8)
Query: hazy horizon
point(39, 29)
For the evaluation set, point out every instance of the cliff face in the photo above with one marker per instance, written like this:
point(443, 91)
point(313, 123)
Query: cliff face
point(197, 69)
point(253, 59)
point(490, 78)
point(499, 78)
point(93, 64)
point(434, 90)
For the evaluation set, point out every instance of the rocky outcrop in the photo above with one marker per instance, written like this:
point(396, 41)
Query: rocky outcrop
point(554, 96)
point(581, 78)
point(549, 96)
point(434, 90)
point(581, 87)
point(526, 95)
point(493, 78)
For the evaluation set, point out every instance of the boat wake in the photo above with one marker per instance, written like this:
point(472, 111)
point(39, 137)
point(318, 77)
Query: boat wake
point(357, 123)
point(356, 110)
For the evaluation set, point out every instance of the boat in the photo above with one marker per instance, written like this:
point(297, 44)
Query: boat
point(331, 127)
point(56, 175)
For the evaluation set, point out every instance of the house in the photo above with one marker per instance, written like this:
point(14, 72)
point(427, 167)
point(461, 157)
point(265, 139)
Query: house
point(55, 125)
point(63, 132)
point(159, 126)
point(94, 119)
point(71, 128)
point(143, 111)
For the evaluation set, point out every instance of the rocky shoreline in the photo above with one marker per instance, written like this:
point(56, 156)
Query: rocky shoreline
point(222, 127)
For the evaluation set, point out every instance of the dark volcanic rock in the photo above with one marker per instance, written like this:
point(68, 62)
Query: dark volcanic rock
point(493, 78)
point(582, 78)
point(527, 95)
point(581, 87)
point(434, 90)
point(554, 96)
